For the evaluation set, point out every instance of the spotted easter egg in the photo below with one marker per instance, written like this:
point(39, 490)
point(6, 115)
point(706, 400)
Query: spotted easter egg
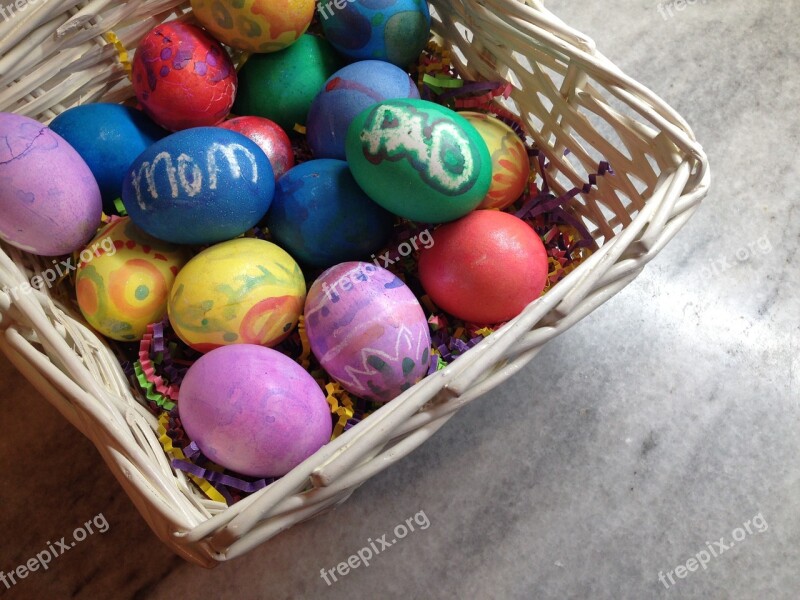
point(368, 331)
point(322, 217)
point(254, 410)
point(183, 77)
point(123, 280)
point(269, 136)
point(199, 186)
point(281, 86)
point(348, 92)
point(395, 31)
point(108, 137)
point(255, 25)
point(50, 203)
point(244, 291)
point(510, 164)
point(419, 160)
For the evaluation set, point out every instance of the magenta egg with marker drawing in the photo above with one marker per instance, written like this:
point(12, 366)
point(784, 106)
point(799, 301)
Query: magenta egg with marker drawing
point(50, 202)
point(368, 331)
point(253, 410)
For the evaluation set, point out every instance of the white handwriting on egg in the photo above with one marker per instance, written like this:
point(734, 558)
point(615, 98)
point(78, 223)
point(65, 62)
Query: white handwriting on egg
point(188, 176)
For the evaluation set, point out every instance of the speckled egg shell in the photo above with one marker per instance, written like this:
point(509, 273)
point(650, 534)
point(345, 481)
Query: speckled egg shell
point(183, 77)
point(108, 137)
point(510, 164)
point(50, 203)
point(199, 186)
point(255, 25)
point(253, 410)
point(269, 136)
point(367, 330)
point(123, 280)
point(281, 86)
point(395, 31)
point(419, 160)
point(348, 92)
point(321, 216)
point(245, 291)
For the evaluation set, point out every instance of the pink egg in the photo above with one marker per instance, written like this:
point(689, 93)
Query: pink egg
point(269, 136)
point(50, 203)
point(253, 410)
point(183, 77)
point(368, 331)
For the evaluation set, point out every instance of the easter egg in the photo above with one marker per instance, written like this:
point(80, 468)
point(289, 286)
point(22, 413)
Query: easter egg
point(510, 164)
point(183, 77)
point(108, 137)
point(255, 25)
point(321, 216)
point(395, 31)
point(348, 92)
point(484, 268)
point(244, 291)
point(123, 280)
point(419, 160)
point(199, 186)
point(49, 200)
point(253, 410)
point(367, 330)
point(281, 86)
point(269, 137)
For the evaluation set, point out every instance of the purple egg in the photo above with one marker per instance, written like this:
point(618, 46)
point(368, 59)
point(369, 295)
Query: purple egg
point(50, 203)
point(253, 410)
point(367, 330)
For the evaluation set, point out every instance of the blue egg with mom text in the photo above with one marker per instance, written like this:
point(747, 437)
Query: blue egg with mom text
point(108, 137)
point(349, 91)
point(199, 186)
point(322, 217)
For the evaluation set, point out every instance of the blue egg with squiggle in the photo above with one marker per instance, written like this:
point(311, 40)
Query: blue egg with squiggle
point(322, 217)
point(395, 31)
point(348, 92)
point(199, 186)
point(108, 137)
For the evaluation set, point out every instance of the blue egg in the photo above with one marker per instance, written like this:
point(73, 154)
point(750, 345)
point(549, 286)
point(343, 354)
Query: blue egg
point(199, 186)
point(108, 137)
point(392, 30)
point(321, 216)
point(348, 92)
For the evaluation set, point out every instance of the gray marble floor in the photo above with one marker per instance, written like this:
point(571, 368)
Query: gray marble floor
point(673, 441)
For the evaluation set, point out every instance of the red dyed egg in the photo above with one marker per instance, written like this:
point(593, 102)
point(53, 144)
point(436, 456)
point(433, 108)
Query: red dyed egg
point(269, 136)
point(183, 77)
point(484, 268)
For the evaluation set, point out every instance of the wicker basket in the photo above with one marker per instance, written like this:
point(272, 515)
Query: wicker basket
point(579, 108)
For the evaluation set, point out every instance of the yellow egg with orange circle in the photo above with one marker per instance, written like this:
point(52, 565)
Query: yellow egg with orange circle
point(510, 164)
point(243, 291)
point(123, 280)
point(255, 25)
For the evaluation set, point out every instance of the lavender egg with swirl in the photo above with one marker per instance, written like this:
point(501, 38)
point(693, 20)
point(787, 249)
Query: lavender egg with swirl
point(368, 331)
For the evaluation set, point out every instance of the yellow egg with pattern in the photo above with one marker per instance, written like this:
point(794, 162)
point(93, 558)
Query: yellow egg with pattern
point(244, 291)
point(123, 280)
point(255, 25)
point(510, 164)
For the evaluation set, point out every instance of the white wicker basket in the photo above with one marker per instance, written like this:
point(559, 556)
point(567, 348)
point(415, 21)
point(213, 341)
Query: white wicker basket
point(579, 108)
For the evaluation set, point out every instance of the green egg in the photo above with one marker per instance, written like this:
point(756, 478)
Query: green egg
point(281, 86)
point(419, 160)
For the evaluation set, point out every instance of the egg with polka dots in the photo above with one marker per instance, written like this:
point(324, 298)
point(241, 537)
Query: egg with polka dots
point(183, 77)
point(123, 280)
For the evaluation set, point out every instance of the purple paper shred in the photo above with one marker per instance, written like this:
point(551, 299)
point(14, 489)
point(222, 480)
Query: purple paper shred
point(221, 478)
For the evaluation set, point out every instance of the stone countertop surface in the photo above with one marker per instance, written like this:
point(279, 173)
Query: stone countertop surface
point(660, 430)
